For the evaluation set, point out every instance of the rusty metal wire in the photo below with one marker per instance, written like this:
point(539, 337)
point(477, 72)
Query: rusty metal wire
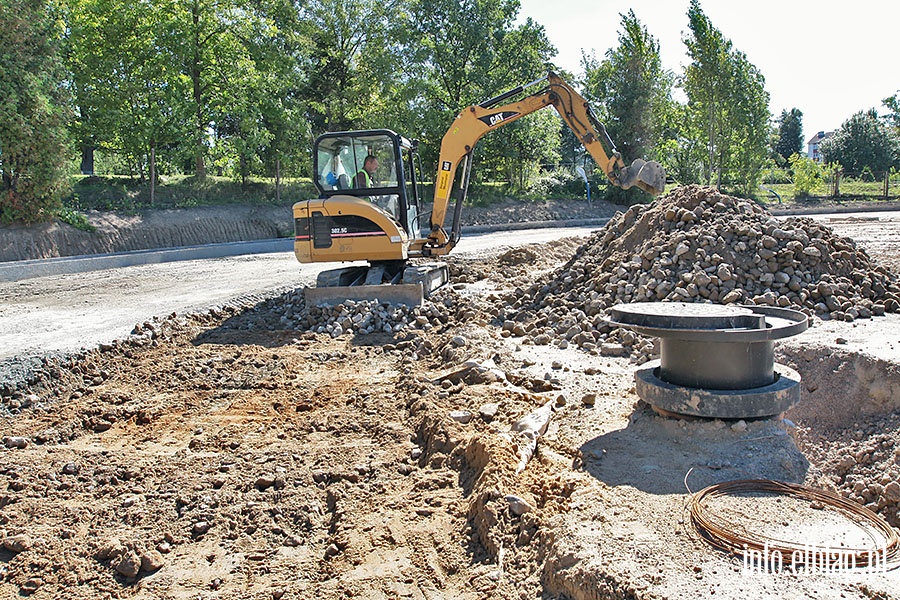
point(736, 539)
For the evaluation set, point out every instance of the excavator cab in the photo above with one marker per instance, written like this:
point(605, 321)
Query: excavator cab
point(341, 168)
point(367, 210)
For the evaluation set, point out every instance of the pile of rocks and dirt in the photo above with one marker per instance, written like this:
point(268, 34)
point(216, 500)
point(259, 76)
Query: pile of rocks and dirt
point(862, 462)
point(698, 245)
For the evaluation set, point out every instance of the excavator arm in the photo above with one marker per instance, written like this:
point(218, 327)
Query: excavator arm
point(475, 121)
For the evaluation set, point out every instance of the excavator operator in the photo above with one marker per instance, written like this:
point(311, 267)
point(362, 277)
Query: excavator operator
point(366, 176)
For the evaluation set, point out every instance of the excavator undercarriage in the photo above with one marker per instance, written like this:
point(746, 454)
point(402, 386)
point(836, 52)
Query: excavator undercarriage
point(395, 282)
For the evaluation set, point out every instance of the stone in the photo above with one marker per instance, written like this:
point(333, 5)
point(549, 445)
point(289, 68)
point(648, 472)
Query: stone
point(16, 441)
point(264, 482)
point(200, 528)
point(488, 411)
point(461, 416)
point(31, 585)
point(17, 543)
point(611, 349)
point(518, 506)
point(732, 297)
point(891, 492)
point(152, 561)
point(128, 564)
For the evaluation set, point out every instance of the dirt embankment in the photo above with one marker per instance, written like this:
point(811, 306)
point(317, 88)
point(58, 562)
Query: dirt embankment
point(119, 232)
point(151, 229)
point(144, 230)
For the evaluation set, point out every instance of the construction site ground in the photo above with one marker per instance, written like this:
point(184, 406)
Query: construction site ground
point(218, 453)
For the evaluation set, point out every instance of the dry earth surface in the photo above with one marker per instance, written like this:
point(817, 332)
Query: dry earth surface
point(265, 449)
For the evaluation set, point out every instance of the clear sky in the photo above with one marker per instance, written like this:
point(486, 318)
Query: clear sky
point(829, 59)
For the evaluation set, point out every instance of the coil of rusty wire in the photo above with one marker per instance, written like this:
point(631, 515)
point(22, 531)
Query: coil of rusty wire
point(736, 539)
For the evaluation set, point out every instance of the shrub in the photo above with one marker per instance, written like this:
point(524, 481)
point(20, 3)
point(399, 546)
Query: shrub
point(807, 174)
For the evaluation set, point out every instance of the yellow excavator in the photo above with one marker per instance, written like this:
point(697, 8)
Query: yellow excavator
point(369, 206)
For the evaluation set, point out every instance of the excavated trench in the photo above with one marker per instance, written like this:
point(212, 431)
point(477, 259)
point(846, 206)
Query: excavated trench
point(258, 451)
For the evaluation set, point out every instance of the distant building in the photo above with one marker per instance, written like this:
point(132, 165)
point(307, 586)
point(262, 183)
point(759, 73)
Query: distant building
point(813, 145)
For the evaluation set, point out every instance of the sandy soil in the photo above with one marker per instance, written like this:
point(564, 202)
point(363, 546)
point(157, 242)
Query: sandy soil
point(217, 455)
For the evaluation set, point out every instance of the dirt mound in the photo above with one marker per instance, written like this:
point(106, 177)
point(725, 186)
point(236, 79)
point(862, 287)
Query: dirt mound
point(698, 245)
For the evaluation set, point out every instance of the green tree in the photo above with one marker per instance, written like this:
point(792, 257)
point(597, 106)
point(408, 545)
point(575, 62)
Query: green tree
point(190, 79)
point(213, 42)
point(350, 63)
point(728, 106)
point(807, 174)
point(893, 104)
point(631, 91)
point(790, 134)
point(457, 43)
point(863, 142)
point(516, 152)
point(468, 51)
point(129, 91)
point(33, 112)
point(519, 149)
point(682, 150)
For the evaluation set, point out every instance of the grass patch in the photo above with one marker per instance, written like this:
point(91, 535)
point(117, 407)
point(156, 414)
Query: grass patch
point(851, 190)
point(115, 193)
point(75, 218)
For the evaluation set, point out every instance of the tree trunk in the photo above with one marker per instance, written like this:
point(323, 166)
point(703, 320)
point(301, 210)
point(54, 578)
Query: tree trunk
point(87, 159)
point(200, 161)
point(278, 180)
point(152, 173)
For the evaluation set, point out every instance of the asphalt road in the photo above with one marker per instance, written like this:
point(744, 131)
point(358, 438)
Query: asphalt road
point(70, 311)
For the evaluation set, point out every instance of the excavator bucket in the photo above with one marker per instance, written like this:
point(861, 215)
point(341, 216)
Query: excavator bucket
point(647, 175)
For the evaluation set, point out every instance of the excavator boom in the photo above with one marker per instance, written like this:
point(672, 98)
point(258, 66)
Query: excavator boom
point(475, 121)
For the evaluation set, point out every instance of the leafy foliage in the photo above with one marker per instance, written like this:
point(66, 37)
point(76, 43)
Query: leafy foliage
point(240, 88)
point(634, 93)
point(893, 104)
point(790, 134)
point(727, 109)
point(33, 112)
point(632, 89)
point(863, 141)
point(807, 174)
